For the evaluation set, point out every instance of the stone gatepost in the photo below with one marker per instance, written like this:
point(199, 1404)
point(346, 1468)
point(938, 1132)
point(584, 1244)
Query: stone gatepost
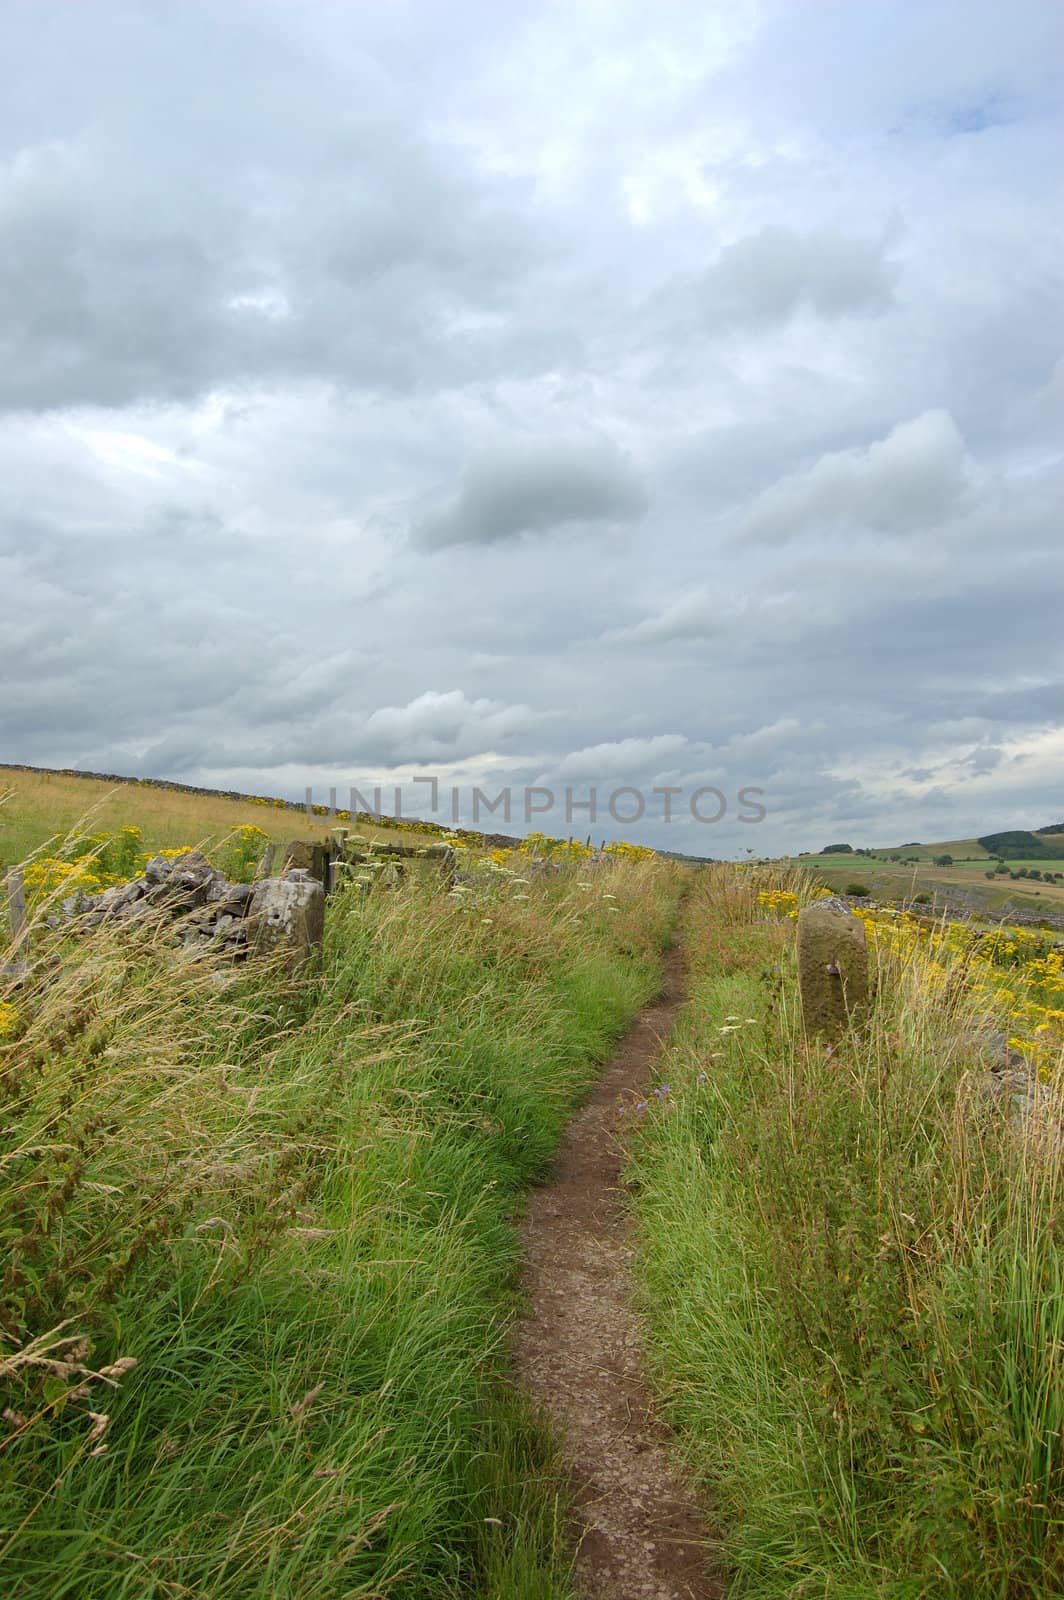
point(308, 855)
point(287, 917)
point(16, 905)
point(832, 969)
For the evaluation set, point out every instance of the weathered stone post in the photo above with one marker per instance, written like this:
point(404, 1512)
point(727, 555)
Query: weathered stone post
point(287, 917)
point(15, 971)
point(16, 905)
point(309, 855)
point(832, 969)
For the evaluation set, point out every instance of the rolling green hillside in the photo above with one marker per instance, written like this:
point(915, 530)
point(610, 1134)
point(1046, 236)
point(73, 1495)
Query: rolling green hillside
point(1032, 879)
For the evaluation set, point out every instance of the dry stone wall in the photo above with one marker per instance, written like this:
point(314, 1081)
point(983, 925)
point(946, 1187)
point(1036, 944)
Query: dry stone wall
point(281, 916)
point(277, 915)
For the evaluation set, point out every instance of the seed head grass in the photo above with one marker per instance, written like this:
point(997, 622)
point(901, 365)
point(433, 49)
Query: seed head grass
point(259, 1247)
point(852, 1268)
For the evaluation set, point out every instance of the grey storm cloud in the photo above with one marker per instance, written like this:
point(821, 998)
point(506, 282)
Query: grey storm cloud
point(166, 248)
point(772, 273)
point(536, 490)
point(986, 758)
point(661, 395)
point(434, 727)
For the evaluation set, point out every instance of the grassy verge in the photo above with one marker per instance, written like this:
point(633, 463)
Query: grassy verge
point(258, 1251)
point(853, 1273)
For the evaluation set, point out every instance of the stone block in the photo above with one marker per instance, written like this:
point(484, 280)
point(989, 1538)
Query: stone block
point(832, 970)
point(287, 917)
point(306, 855)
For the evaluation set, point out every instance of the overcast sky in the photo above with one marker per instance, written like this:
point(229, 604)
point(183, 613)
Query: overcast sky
point(596, 393)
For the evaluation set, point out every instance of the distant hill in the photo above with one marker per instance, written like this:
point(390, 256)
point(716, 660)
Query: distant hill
point(1011, 873)
point(1012, 844)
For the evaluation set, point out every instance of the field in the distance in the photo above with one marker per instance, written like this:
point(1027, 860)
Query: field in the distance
point(41, 807)
point(965, 878)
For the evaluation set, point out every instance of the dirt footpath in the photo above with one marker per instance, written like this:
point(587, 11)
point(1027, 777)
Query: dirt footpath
point(578, 1350)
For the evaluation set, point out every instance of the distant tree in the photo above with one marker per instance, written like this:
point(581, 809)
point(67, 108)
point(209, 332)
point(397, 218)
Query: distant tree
point(837, 850)
point(1019, 845)
point(944, 861)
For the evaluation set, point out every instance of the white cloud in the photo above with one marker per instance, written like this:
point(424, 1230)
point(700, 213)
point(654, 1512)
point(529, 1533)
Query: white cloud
point(437, 726)
point(906, 483)
point(770, 275)
point(627, 759)
point(705, 614)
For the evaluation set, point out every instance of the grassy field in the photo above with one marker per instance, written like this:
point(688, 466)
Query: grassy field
point(854, 1277)
point(40, 807)
point(897, 880)
point(258, 1241)
point(959, 849)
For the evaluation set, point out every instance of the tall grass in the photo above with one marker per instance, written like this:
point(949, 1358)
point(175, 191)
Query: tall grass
point(259, 1251)
point(852, 1268)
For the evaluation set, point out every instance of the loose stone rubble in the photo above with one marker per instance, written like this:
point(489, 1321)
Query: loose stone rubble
point(1011, 1086)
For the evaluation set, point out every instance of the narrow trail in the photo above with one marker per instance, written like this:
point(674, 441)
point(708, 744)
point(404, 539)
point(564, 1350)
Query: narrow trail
point(578, 1350)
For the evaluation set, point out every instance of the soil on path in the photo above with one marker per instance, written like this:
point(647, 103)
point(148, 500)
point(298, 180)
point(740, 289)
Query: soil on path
point(640, 1534)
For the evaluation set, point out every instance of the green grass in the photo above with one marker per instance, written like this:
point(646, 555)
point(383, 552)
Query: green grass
point(854, 1284)
point(892, 880)
point(959, 849)
point(293, 1207)
point(917, 872)
point(973, 867)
